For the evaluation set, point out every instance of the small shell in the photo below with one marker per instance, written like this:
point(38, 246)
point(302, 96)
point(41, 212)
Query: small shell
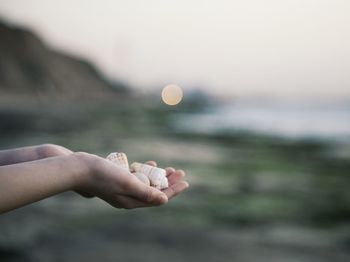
point(143, 178)
point(157, 180)
point(147, 169)
point(164, 183)
point(157, 176)
point(120, 159)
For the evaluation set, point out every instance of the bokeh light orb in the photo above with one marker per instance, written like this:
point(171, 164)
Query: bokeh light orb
point(172, 94)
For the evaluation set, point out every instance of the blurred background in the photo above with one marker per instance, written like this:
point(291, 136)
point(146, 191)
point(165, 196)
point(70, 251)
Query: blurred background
point(263, 130)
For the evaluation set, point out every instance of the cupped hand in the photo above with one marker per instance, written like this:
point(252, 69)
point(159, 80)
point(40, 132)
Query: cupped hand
point(121, 189)
point(175, 179)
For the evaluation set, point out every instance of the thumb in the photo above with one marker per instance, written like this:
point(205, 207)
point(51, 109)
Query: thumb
point(145, 193)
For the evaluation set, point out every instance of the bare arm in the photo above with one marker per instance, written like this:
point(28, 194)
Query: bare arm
point(27, 182)
point(30, 153)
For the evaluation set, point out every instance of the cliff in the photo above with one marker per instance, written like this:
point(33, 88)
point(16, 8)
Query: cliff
point(28, 66)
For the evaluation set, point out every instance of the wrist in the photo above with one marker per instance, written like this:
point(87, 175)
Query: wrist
point(85, 168)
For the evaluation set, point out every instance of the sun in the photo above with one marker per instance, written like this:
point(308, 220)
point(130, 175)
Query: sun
point(172, 94)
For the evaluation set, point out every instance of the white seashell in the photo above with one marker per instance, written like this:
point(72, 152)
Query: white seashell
point(156, 179)
point(157, 176)
point(164, 183)
point(147, 169)
point(143, 178)
point(119, 159)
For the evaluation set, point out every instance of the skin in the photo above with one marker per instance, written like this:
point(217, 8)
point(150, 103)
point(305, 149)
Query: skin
point(31, 174)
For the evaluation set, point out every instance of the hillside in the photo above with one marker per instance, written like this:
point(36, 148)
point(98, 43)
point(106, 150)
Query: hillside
point(28, 66)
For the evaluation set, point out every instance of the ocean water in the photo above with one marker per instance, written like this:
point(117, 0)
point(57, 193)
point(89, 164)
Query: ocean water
point(291, 118)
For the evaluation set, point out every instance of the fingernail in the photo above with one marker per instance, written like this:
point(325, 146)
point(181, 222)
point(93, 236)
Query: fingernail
point(163, 199)
point(182, 172)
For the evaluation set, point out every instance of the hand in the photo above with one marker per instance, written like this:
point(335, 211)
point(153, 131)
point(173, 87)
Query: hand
point(176, 184)
point(120, 188)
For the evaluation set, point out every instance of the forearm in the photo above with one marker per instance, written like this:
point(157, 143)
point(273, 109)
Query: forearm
point(25, 183)
point(87, 174)
point(31, 153)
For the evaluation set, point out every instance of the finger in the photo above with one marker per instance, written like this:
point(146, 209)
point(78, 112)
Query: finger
point(176, 176)
point(175, 189)
point(136, 189)
point(169, 171)
point(151, 163)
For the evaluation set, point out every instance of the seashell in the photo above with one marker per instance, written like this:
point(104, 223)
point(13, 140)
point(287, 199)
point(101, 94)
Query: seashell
point(157, 176)
point(143, 178)
point(147, 169)
point(164, 183)
point(119, 159)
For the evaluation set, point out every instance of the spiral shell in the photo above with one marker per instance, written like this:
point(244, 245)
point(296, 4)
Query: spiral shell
point(143, 178)
point(163, 183)
point(157, 176)
point(119, 159)
point(147, 174)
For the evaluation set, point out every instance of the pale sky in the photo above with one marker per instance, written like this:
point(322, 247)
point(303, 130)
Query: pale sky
point(259, 47)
